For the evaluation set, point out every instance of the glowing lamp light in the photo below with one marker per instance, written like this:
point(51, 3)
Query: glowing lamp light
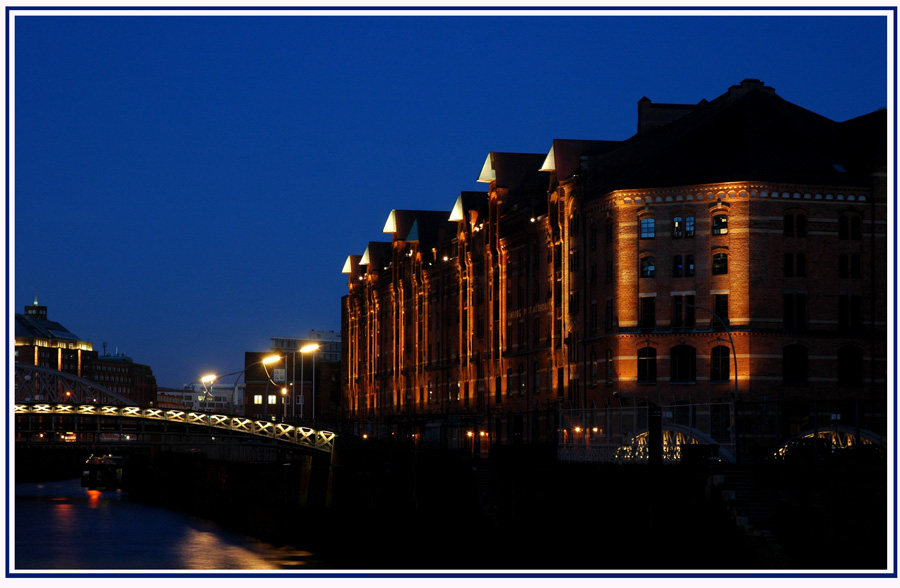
point(577, 429)
point(470, 434)
point(309, 348)
point(271, 359)
point(208, 378)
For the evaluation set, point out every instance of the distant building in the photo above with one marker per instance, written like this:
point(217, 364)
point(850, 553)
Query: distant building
point(733, 251)
point(45, 343)
point(219, 398)
point(120, 374)
point(299, 386)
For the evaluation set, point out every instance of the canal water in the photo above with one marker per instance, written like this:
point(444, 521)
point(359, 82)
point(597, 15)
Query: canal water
point(62, 526)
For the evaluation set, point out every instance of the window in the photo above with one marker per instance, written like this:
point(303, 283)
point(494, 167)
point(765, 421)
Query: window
point(594, 317)
point(646, 365)
point(801, 225)
point(272, 399)
point(647, 312)
point(683, 364)
point(720, 225)
point(677, 227)
point(648, 267)
point(719, 362)
point(788, 265)
point(794, 311)
point(849, 312)
point(720, 264)
point(849, 266)
point(609, 366)
point(800, 265)
point(850, 366)
point(849, 227)
point(794, 225)
point(609, 272)
point(788, 225)
point(522, 382)
point(683, 311)
point(720, 307)
point(688, 266)
point(595, 368)
point(536, 382)
point(257, 399)
point(608, 317)
point(608, 236)
point(648, 228)
point(688, 226)
point(677, 267)
point(794, 364)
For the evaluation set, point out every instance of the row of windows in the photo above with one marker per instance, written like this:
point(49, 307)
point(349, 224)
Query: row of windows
point(793, 225)
point(683, 227)
point(850, 315)
point(795, 365)
point(683, 266)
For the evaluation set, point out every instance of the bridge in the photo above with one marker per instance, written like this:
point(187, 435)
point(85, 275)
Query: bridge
point(56, 407)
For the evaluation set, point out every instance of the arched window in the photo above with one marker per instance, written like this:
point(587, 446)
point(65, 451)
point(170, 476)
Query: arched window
point(595, 368)
point(646, 365)
point(648, 266)
point(522, 382)
point(850, 366)
point(795, 365)
point(849, 227)
point(677, 227)
point(719, 362)
point(720, 264)
point(536, 382)
point(648, 228)
point(683, 364)
point(720, 224)
point(609, 366)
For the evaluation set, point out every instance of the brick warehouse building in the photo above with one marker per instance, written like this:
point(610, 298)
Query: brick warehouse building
point(728, 262)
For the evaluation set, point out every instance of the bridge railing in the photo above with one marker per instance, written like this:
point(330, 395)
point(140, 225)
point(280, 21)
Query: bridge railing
point(304, 436)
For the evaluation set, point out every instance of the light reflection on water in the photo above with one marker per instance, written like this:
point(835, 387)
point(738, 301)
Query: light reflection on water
point(62, 526)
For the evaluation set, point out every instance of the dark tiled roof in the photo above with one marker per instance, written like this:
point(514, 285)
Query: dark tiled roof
point(757, 136)
point(30, 328)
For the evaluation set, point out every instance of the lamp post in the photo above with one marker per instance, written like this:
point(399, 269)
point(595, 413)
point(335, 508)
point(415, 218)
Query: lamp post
point(303, 351)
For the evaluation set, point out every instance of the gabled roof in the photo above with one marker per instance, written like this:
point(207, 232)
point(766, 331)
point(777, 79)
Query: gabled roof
point(565, 155)
point(377, 253)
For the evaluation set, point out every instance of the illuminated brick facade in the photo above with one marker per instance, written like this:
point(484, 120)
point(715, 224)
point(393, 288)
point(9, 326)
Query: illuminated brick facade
point(744, 231)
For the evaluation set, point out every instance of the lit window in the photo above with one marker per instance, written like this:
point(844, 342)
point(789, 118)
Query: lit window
point(648, 228)
point(257, 399)
point(677, 267)
point(677, 227)
point(720, 264)
point(720, 225)
point(648, 267)
point(688, 226)
point(688, 265)
point(272, 399)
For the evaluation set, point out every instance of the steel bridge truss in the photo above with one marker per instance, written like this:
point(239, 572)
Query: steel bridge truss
point(40, 384)
point(89, 417)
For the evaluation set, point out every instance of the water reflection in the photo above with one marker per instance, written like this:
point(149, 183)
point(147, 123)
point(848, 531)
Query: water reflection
point(62, 526)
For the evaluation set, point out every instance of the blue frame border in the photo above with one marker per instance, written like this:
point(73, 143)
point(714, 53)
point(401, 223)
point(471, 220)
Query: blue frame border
point(426, 575)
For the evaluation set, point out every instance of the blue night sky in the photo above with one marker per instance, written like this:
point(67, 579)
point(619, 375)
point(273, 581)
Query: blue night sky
point(187, 187)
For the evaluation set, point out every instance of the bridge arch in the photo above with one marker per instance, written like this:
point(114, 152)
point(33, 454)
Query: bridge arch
point(830, 438)
point(674, 438)
point(35, 384)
